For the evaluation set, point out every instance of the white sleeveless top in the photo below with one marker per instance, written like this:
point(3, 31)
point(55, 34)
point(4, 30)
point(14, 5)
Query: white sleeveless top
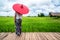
point(18, 16)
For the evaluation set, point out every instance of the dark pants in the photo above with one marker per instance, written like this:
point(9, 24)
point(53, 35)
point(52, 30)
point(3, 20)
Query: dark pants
point(18, 25)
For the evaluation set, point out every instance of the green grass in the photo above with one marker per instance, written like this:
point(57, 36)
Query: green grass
point(31, 24)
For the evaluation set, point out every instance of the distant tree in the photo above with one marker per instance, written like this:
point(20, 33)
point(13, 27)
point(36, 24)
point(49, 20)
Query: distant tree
point(38, 15)
point(42, 14)
point(50, 14)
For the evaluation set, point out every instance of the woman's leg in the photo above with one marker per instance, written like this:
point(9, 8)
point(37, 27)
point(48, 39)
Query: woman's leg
point(18, 26)
point(20, 20)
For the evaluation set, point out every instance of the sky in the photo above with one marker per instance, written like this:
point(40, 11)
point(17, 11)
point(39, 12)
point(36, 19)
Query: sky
point(35, 7)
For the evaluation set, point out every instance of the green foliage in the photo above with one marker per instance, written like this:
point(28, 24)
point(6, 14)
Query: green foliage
point(31, 24)
point(38, 15)
point(50, 14)
point(41, 15)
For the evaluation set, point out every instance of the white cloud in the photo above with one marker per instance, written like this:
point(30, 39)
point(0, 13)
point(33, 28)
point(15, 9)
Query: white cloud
point(35, 6)
point(56, 2)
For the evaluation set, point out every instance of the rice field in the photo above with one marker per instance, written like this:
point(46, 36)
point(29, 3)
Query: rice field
point(31, 24)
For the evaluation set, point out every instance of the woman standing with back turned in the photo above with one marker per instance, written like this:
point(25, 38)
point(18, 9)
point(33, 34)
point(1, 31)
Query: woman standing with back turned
point(18, 21)
point(20, 9)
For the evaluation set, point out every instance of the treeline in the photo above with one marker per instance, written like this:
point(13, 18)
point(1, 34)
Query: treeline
point(41, 15)
point(50, 15)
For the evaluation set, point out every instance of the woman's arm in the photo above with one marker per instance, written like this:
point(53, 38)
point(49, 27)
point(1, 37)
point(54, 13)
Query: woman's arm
point(15, 17)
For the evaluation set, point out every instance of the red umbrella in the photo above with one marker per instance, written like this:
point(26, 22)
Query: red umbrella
point(20, 8)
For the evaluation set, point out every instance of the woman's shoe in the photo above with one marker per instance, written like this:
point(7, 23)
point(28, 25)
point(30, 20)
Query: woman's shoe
point(18, 34)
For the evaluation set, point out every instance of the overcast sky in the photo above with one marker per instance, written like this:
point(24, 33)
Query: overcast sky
point(35, 6)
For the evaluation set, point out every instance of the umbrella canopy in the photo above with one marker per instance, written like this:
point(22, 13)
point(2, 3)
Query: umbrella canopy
point(20, 8)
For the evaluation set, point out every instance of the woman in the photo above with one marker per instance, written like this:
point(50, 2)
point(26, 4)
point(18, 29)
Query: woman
point(18, 21)
point(19, 10)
